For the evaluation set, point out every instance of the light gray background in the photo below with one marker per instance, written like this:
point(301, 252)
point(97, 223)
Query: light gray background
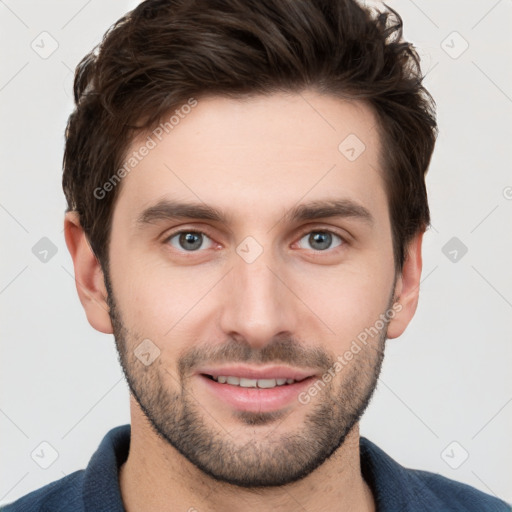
point(447, 379)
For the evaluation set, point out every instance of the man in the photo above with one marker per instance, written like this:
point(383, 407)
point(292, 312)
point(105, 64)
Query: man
point(246, 194)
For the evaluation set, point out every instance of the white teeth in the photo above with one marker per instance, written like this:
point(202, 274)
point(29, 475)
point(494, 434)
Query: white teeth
point(268, 383)
point(252, 383)
point(248, 383)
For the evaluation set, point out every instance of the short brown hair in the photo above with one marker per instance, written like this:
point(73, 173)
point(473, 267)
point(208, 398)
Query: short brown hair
point(164, 52)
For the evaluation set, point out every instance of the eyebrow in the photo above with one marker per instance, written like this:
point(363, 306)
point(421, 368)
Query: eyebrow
point(166, 209)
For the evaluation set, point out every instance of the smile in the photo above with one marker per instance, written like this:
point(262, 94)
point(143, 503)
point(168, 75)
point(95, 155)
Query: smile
point(252, 383)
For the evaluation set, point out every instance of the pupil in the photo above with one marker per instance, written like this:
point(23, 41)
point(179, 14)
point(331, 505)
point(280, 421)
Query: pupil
point(190, 240)
point(323, 239)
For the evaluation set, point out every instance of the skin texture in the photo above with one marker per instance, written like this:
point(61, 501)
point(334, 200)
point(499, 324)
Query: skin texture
point(295, 304)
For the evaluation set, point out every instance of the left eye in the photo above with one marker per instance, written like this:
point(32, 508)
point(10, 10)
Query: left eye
point(321, 240)
point(190, 241)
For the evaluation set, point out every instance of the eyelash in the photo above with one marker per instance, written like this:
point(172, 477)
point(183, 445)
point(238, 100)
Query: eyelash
point(301, 236)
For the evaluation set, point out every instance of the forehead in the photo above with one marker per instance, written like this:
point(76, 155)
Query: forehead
point(260, 155)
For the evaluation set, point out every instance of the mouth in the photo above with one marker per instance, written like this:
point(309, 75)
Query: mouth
point(255, 390)
point(245, 382)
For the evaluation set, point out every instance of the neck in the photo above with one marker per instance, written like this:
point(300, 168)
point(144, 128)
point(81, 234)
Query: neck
point(156, 477)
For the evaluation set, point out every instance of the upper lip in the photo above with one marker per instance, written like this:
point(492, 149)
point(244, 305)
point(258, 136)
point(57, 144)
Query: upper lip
point(251, 372)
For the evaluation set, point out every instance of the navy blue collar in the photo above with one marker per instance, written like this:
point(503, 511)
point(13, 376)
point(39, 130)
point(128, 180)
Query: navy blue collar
point(101, 490)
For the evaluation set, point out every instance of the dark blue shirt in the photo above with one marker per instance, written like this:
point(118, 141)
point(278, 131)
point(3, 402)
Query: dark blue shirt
point(395, 488)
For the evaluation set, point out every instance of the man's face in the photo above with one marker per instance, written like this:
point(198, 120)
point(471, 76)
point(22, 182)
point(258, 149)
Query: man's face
point(260, 289)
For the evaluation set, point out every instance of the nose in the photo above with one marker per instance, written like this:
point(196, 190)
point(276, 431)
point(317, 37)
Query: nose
point(258, 305)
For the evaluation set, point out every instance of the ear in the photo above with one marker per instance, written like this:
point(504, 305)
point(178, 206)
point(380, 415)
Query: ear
point(89, 277)
point(407, 288)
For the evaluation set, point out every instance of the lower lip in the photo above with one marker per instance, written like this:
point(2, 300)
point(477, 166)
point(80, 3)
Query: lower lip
point(257, 399)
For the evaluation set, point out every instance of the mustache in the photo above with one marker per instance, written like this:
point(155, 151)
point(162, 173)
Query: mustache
point(280, 350)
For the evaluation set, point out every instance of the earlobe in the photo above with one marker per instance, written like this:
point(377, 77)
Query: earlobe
point(89, 278)
point(407, 289)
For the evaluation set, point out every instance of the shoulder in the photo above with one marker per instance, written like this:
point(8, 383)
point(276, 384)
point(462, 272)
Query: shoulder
point(400, 489)
point(452, 495)
point(64, 495)
point(95, 488)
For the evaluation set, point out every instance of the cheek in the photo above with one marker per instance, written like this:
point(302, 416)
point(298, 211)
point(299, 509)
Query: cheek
point(347, 299)
point(157, 300)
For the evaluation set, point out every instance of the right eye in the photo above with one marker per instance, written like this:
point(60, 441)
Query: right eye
point(188, 241)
